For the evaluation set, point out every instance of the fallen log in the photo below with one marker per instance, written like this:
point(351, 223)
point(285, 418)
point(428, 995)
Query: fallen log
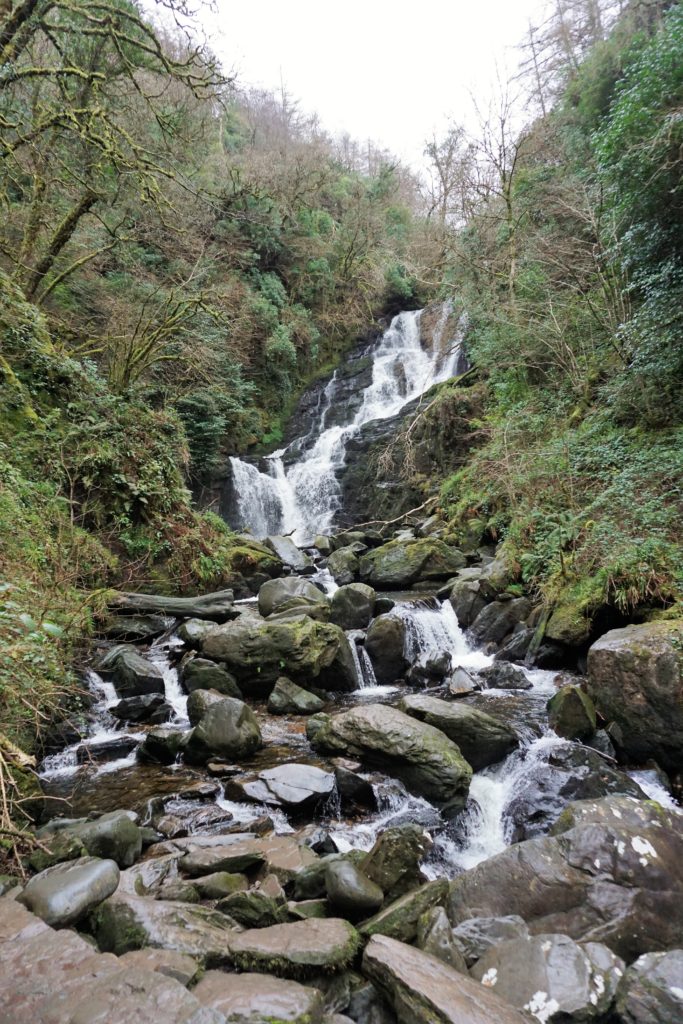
point(218, 607)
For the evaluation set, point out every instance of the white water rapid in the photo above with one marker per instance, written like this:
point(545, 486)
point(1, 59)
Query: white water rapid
point(303, 497)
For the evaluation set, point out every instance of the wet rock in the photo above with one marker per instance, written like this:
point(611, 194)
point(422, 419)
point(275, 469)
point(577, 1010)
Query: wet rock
point(394, 860)
point(402, 562)
point(310, 882)
point(323, 544)
point(651, 991)
point(424, 990)
point(289, 554)
point(134, 628)
point(435, 937)
point(199, 702)
point(498, 619)
point(278, 595)
point(571, 713)
point(565, 773)
point(467, 600)
point(179, 966)
point(257, 999)
point(476, 936)
point(516, 647)
point(132, 674)
point(298, 787)
point(429, 671)
point(125, 922)
point(64, 894)
point(385, 643)
point(399, 920)
point(344, 565)
point(297, 949)
point(616, 810)
point(113, 836)
point(635, 677)
point(227, 729)
point(287, 698)
point(350, 892)
point(568, 626)
point(353, 788)
point(383, 605)
point(552, 977)
point(503, 676)
point(219, 884)
point(304, 909)
point(353, 606)
point(282, 855)
point(161, 745)
point(461, 683)
point(258, 653)
point(482, 739)
point(99, 752)
point(192, 631)
point(601, 742)
point(424, 758)
point(254, 908)
point(367, 1005)
point(202, 674)
point(608, 883)
point(150, 707)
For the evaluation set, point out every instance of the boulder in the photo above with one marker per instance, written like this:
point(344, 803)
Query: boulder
point(258, 653)
point(482, 739)
point(568, 626)
point(113, 836)
point(287, 698)
point(435, 936)
point(635, 678)
point(227, 729)
point(257, 999)
point(298, 787)
point(203, 674)
point(424, 758)
point(400, 919)
point(596, 883)
point(385, 644)
point(131, 673)
point(402, 562)
point(136, 628)
point(571, 713)
point(552, 977)
point(199, 702)
point(504, 676)
point(350, 892)
point(651, 991)
point(343, 564)
point(616, 810)
point(295, 950)
point(424, 990)
point(323, 544)
point(191, 631)
point(394, 860)
point(478, 934)
point(281, 855)
point(353, 606)
point(352, 787)
point(289, 592)
point(498, 619)
point(254, 908)
point(467, 599)
point(150, 707)
point(289, 554)
point(101, 751)
point(161, 745)
point(516, 647)
point(65, 893)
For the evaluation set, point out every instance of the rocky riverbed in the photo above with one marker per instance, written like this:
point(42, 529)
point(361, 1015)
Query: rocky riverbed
point(375, 792)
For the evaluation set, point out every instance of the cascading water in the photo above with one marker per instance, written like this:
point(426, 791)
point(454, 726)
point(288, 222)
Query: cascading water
point(432, 629)
point(304, 497)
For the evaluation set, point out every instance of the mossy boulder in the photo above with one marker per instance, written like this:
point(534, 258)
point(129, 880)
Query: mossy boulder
point(385, 644)
point(403, 562)
point(297, 949)
point(203, 674)
point(481, 738)
point(569, 625)
point(287, 698)
point(571, 713)
point(343, 564)
point(291, 592)
point(228, 729)
point(400, 919)
point(353, 606)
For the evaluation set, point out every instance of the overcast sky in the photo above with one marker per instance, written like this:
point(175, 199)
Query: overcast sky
point(386, 70)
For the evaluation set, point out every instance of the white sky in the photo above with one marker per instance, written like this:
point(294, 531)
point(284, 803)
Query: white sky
point(385, 70)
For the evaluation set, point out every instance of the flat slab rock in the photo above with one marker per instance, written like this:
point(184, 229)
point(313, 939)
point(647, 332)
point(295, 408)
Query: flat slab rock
point(293, 950)
point(424, 990)
point(55, 977)
point(258, 999)
point(282, 855)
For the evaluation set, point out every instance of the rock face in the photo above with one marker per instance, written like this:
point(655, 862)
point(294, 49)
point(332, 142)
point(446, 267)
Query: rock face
point(402, 562)
point(227, 729)
point(424, 990)
point(259, 999)
point(476, 935)
point(571, 713)
point(288, 593)
point(498, 619)
point(64, 894)
point(353, 606)
point(552, 977)
point(287, 698)
point(652, 990)
point(424, 758)
point(385, 642)
point(298, 949)
point(257, 653)
point(435, 936)
point(482, 739)
point(635, 678)
point(596, 882)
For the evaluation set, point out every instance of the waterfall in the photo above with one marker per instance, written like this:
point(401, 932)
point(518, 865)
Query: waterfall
point(304, 497)
point(432, 629)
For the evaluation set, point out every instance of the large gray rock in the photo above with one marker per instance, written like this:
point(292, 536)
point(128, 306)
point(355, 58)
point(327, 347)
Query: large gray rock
point(424, 758)
point(402, 562)
point(191, 631)
point(288, 553)
point(552, 977)
point(281, 855)
point(435, 936)
point(498, 619)
point(287, 698)
point(600, 883)
point(161, 745)
point(257, 653)
point(466, 597)
point(424, 990)
point(343, 564)
point(504, 676)
point(199, 702)
point(227, 729)
point(64, 894)
point(290, 592)
point(203, 674)
point(385, 644)
point(635, 678)
point(113, 836)
point(401, 918)
point(616, 810)
point(571, 713)
point(353, 606)
point(476, 935)
point(298, 787)
point(651, 991)
point(258, 999)
point(482, 739)
point(350, 892)
point(394, 860)
point(294, 950)
point(132, 674)
point(149, 707)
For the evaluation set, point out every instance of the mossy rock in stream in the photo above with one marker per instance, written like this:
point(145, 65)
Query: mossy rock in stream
point(403, 562)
